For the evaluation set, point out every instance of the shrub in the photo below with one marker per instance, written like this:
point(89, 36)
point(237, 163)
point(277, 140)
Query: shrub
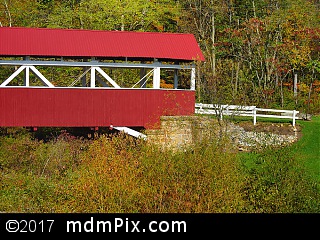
point(122, 175)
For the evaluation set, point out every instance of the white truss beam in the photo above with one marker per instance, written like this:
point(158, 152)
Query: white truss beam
point(132, 132)
point(95, 66)
point(156, 78)
point(41, 77)
point(27, 76)
point(16, 73)
point(93, 77)
point(193, 79)
point(106, 76)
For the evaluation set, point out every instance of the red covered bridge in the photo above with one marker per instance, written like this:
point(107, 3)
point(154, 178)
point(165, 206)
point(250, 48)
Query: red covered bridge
point(99, 101)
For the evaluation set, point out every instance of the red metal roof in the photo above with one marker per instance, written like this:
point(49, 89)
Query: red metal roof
point(18, 41)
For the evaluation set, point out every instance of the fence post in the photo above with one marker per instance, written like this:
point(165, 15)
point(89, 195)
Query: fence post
point(220, 111)
point(254, 116)
point(294, 117)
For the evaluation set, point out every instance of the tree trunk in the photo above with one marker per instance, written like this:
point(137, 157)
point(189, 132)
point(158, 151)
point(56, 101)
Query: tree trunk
point(213, 41)
point(8, 13)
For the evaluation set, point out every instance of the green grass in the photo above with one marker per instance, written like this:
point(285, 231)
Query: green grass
point(308, 148)
point(285, 179)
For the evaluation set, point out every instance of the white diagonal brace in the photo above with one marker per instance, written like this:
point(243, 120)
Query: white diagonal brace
point(19, 70)
point(106, 76)
point(41, 77)
point(145, 76)
point(84, 73)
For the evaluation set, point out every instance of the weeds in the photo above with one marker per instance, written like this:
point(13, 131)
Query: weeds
point(120, 174)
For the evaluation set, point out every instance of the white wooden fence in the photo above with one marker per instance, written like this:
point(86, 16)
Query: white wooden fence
point(251, 111)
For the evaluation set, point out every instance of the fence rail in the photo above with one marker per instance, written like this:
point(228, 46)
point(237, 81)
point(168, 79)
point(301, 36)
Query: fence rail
point(249, 111)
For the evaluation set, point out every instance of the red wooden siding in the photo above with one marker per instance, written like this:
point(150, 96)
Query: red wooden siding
point(81, 107)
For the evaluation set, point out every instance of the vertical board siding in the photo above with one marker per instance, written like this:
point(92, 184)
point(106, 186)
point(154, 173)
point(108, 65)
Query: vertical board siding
point(83, 107)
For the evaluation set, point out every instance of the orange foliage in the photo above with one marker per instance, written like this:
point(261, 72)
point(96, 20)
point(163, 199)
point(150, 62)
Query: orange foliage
point(163, 84)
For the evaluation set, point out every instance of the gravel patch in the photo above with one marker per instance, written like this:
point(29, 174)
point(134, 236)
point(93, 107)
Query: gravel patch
point(249, 137)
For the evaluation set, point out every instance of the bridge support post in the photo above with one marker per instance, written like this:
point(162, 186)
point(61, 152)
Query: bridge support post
point(156, 78)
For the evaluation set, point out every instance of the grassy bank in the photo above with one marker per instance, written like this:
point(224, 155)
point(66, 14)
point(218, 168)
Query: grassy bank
point(285, 179)
point(308, 149)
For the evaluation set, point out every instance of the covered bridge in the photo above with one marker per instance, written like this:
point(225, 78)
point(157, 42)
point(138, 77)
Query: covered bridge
point(99, 101)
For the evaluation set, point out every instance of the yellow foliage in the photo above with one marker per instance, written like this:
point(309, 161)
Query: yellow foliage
point(303, 88)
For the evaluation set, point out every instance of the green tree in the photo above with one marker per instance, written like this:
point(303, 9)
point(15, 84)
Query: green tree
point(117, 15)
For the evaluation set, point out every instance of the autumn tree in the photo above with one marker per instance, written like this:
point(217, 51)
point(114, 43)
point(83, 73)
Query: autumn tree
point(257, 47)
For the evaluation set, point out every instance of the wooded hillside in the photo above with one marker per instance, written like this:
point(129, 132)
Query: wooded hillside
point(254, 48)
